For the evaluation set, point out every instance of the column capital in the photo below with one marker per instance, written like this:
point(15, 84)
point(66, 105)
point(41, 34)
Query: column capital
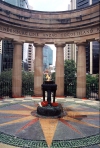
point(17, 42)
point(60, 44)
point(39, 45)
point(81, 43)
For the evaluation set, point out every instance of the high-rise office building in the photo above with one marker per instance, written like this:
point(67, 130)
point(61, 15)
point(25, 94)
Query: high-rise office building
point(95, 1)
point(31, 57)
point(0, 54)
point(67, 52)
point(7, 46)
point(92, 49)
point(82, 4)
point(47, 57)
point(7, 54)
point(73, 4)
point(18, 3)
point(95, 50)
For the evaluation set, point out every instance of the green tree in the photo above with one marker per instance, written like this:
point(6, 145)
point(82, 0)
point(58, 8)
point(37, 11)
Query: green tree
point(90, 79)
point(69, 77)
point(27, 83)
point(69, 70)
point(53, 76)
point(6, 83)
point(92, 84)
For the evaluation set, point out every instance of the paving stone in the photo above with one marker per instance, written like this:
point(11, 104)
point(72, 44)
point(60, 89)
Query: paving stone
point(21, 127)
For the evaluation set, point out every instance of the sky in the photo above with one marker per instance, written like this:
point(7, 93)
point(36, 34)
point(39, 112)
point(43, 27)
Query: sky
point(50, 5)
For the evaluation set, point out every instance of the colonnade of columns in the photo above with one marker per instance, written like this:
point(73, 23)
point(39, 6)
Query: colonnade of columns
point(38, 70)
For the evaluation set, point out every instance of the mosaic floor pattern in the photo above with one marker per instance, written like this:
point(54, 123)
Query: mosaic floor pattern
point(21, 127)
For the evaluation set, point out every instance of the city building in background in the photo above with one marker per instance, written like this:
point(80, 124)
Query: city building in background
point(47, 57)
point(7, 55)
point(95, 1)
point(0, 54)
point(31, 57)
point(92, 49)
point(67, 52)
point(7, 46)
point(95, 47)
point(70, 52)
point(82, 4)
point(51, 68)
point(18, 3)
point(73, 4)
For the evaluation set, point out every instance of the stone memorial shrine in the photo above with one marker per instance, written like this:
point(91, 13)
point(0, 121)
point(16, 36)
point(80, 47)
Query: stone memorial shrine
point(75, 27)
point(49, 107)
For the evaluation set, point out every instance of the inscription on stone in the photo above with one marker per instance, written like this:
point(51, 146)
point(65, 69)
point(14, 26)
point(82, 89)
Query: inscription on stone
point(66, 34)
point(50, 35)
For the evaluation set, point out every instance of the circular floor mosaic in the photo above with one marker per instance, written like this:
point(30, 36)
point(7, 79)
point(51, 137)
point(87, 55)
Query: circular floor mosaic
point(78, 128)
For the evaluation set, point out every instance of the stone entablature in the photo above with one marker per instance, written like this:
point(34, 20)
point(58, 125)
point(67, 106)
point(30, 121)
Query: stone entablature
point(52, 26)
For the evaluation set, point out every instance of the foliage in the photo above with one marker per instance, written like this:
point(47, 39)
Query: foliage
point(27, 83)
point(90, 79)
point(53, 76)
point(69, 77)
point(69, 71)
point(6, 83)
point(92, 84)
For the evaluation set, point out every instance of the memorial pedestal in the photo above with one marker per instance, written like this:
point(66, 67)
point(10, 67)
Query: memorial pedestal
point(50, 108)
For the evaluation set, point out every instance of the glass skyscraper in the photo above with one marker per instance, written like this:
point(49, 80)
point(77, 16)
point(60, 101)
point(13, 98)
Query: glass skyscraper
point(82, 3)
point(18, 3)
point(47, 57)
point(95, 45)
point(95, 1)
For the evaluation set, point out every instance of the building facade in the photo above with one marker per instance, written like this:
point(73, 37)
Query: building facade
point(31, 57)
point(82, 4)
point(7, 46)
point(67, 52)
point(0, 54)
point(47, 57)
point(92, 49)
point(95, 1)
point(18, 3)
point(7, 55)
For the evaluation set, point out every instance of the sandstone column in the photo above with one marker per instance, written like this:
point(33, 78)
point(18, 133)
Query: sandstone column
point(99, 73)
point(38, 69)
point(17, 70)
point(81, 71)
point(60, 69)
